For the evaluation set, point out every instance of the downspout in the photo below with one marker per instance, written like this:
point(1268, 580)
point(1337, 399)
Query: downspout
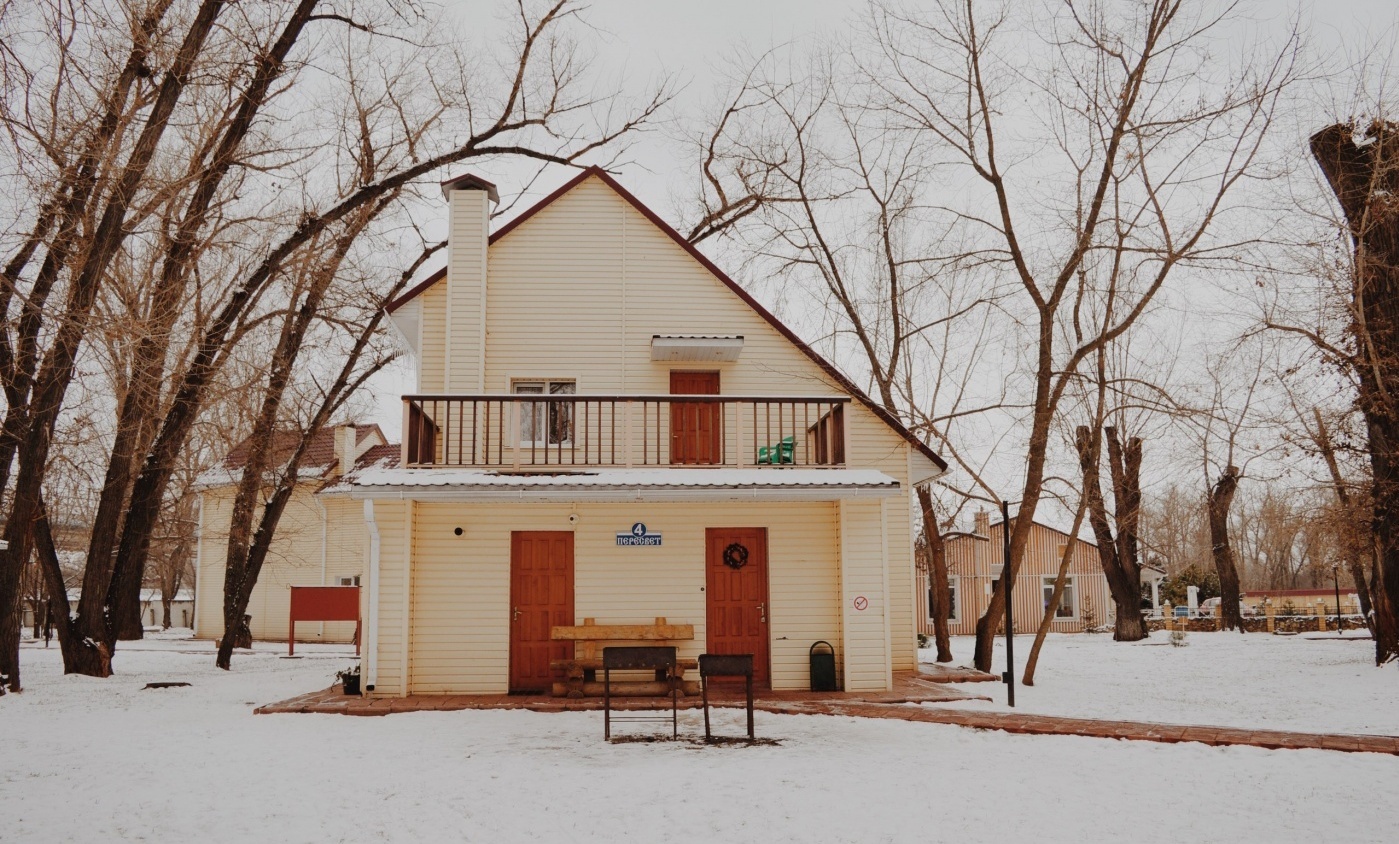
point(198, 559)
point(371, 624)
point(886, 604)
point(324, 519)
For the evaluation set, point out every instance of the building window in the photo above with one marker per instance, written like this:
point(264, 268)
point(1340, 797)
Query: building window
point(546, 423)
point(1068, 601)
point(347, 581)
point(952, 605)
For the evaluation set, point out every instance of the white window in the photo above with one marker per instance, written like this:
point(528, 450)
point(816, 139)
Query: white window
point(347, 581)
point(1068, 601)
point(546, 423)
point(952, 605)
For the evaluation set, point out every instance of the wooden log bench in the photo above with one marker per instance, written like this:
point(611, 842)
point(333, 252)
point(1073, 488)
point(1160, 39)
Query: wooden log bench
point(580, 673)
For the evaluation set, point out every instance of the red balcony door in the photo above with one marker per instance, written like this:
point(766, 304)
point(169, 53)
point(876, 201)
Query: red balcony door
point(696, 428)
point(736, 592)
point(541, 598)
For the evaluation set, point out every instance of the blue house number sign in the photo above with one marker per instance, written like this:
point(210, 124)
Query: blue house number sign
point(638, 535)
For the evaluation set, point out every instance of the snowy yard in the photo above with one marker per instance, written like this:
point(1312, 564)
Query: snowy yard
point(89, 760)
point(1256, 680)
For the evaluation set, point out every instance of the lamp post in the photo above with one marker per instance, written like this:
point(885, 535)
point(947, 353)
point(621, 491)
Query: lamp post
point(1009, 577)
point(1336, 579)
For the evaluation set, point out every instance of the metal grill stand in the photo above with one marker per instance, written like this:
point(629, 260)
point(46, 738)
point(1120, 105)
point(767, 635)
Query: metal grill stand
point(726, 665)
point(660, 660)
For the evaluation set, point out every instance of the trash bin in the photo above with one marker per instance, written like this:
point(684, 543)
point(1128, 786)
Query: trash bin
point(823, 668)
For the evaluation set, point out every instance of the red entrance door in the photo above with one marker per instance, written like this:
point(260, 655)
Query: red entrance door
point(541, 597)
point(696, 428)
point(736, 586)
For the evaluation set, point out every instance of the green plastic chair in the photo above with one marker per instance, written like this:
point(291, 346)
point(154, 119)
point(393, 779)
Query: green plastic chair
point(785, 452)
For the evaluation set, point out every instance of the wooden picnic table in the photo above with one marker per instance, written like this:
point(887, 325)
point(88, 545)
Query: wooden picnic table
point(580, 672)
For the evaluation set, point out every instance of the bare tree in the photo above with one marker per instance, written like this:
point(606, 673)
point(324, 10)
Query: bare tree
point(1145, 169)
point(1361, 164)
point(86, 217)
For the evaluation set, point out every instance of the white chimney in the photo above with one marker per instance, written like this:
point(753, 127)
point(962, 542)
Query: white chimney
point(469, 201)
point(345, 442)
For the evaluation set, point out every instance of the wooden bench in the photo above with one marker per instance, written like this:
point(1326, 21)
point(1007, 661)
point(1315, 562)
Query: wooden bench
point(580, 673)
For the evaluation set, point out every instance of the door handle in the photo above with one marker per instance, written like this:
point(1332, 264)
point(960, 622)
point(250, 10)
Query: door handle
point(517, 614)
point(763, 613)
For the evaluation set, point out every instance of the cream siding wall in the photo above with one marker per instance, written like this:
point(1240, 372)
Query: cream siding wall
point(294, 560)
point(866, 646)
point(461, 585)
point(392, 520)
point(433, 340)
point(577, 293)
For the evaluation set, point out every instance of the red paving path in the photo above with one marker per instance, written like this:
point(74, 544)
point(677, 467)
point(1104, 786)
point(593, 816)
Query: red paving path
point(901, 704)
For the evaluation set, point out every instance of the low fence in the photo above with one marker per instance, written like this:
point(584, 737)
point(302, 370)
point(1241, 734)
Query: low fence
point(1270, 621)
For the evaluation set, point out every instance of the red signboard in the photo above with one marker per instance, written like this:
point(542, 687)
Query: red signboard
point(322, 603)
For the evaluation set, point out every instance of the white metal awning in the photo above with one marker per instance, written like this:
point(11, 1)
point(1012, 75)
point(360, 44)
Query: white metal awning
point(772, 484)
point(707, 348)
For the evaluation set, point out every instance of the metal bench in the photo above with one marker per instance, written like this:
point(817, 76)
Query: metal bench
point(658, 659)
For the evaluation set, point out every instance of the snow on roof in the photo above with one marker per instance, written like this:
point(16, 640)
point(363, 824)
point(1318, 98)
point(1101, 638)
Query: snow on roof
point(152, 596)
point(373, 481)
point(1061, 526)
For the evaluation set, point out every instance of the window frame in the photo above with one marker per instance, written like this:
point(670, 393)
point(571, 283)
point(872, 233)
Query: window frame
point(954, 585)
point(546, 388)
point(1070, 590)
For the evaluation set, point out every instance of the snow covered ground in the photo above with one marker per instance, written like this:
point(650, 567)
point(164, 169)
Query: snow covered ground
point(1221, 679)
point(97, 760)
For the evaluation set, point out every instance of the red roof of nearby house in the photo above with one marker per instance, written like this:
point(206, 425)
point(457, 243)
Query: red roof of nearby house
point(888, 418)
point(320, 452)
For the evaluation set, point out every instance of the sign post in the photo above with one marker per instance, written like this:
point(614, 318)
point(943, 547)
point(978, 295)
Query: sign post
point(1008, 576)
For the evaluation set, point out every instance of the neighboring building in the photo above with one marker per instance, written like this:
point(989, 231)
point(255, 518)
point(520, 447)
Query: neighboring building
point(152, 611)
point(320, 540)
point(974, 563)
point(181, 609)
point(607, 427)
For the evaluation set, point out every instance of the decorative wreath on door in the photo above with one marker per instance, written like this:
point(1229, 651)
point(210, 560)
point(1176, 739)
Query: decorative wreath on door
point(736, 556)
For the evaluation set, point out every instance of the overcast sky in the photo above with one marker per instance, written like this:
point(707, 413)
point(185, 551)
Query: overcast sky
point(641, 40)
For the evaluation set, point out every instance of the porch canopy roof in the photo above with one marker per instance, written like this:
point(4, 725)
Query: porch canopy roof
point(618, 485)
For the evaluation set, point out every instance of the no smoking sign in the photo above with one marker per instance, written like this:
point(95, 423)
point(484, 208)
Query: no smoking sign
point(861, 603)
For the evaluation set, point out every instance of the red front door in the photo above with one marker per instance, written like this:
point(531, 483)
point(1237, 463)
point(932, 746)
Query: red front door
point(696, 428)
point(541, 597)
point(736, 586)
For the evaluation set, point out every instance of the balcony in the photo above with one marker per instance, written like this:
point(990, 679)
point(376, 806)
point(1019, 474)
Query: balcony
point(537, 433)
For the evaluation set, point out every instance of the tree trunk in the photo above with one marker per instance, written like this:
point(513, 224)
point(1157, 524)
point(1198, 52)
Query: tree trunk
point(60, 363)
point(81, 655)
point(1047, 621)
point(1355, 550)
point(940, 595)
point(1116, 555)
point(1364, 177)
point(1220, 500)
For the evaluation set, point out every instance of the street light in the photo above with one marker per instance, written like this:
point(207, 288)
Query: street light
point(1008, 576)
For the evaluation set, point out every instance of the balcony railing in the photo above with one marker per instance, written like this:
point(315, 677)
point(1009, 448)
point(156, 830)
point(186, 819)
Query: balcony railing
point(534, 432)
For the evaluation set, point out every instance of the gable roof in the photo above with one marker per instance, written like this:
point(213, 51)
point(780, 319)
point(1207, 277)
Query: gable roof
point(320, 453)
point(826, 366)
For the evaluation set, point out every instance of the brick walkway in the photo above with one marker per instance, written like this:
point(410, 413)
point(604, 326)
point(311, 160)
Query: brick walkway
point(909, 689)
point(1132, 730)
